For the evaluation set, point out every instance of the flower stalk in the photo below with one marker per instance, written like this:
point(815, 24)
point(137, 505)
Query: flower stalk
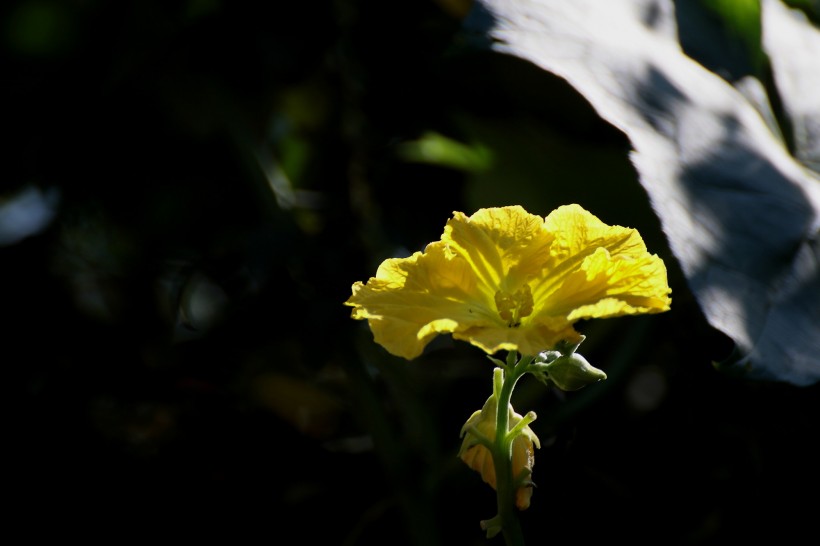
point(503, 455)
point(499, 442)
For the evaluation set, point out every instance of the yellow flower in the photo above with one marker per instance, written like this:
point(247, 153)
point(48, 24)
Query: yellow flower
point(478, 457)
point(505, 279)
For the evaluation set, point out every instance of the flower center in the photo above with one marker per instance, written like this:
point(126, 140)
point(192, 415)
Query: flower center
point(514, 307)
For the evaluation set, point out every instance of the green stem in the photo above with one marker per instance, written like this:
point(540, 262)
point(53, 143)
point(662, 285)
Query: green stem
point(502, 454)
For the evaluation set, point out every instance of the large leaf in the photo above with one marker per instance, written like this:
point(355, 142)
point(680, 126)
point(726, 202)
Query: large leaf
point(741, 212)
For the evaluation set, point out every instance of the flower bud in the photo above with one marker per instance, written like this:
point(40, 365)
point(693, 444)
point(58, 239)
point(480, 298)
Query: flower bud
point(571, 372)
point(479, 431)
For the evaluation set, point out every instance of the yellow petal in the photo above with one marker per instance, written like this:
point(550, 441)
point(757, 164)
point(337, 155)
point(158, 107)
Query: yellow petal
point(598, 271)
point(480, 459)
point(578, 233)
point(411, 300)
point(505, 245)
point(529, 340)
point(523, 458)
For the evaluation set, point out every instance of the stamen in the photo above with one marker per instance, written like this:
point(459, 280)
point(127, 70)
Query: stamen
point(513, 307)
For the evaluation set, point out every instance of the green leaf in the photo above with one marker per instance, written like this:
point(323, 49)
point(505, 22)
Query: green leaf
point(437, 149)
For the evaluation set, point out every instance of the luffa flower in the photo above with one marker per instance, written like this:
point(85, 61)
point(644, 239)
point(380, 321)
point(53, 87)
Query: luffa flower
point(505, 279)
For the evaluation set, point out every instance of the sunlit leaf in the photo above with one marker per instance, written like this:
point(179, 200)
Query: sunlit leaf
point(740, 211)
point(793, 45)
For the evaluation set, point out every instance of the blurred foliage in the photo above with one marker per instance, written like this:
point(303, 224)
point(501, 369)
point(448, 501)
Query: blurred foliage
point(214, 177)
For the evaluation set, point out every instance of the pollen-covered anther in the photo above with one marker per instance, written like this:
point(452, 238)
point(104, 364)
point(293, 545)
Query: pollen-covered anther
point(513, 307)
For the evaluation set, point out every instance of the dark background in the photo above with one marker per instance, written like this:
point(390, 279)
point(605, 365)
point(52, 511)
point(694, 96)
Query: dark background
point(179, 360)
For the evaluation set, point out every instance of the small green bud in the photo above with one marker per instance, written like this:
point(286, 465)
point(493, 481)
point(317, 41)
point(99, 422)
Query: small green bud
point(571, 372)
